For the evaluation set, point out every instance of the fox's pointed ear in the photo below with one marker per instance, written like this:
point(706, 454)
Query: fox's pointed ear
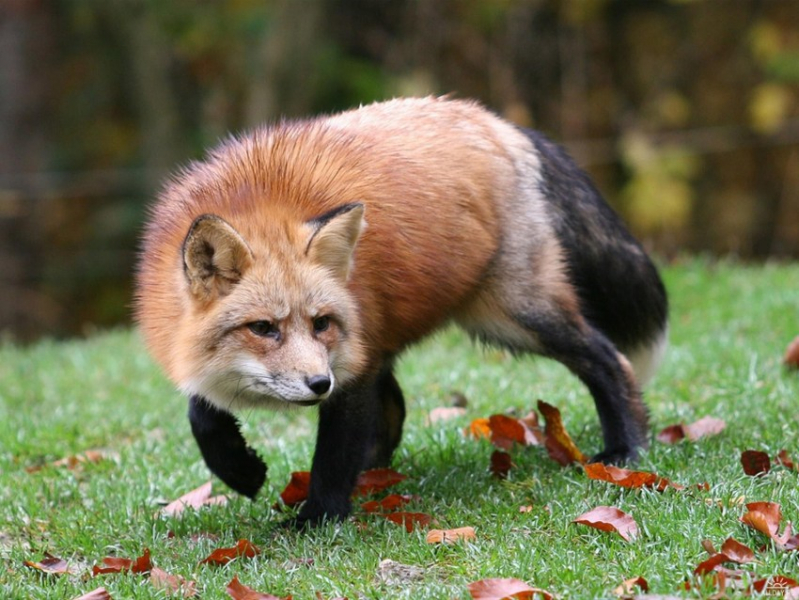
point(215, 257)
point(334, 237)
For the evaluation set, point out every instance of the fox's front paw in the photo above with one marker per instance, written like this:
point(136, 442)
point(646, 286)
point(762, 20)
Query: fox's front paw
point(616, 456)
point(243, 471)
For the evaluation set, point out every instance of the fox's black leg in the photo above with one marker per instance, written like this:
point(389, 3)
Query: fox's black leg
point(347, 423)
point(223, 447)
point(391, 415)
point(608, 376)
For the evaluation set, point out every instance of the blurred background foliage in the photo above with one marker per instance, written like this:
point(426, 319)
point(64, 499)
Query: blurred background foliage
point(686, 113)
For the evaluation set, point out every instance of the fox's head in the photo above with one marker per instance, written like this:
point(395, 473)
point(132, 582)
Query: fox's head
point(269, 319)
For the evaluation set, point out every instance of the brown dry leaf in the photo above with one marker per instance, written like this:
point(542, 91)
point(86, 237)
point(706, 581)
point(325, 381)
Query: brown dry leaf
point(610, 518)
point(51, 565)
point(387, 504)
point(75, 461)
point(222, 556)
point(478, 428)
point(238, 591)
point(113, 564)
point(410, 520)
point(763, 516)
point(445, 413)
point(704, 427)
point(627, 587)
point(450, 536)
point(731, 551)
point(501, 464)
point(173, 584)
point(99, 593)
point(626, 477)
point(297, 489)
point(197, 498)
point(500, 589)
point(376, 480)
point(506, 431)
point(755, 462)
point(785, 460)
point(791, 358)
point(558, 443)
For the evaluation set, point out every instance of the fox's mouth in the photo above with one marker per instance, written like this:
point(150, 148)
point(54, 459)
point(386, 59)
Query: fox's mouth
point(313, 402)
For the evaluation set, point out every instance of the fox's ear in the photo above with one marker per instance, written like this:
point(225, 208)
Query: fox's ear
point(215, 257)
point(334, 237)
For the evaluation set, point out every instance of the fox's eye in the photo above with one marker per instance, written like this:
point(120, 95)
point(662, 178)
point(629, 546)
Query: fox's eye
point(321, 324)
point(264, 329)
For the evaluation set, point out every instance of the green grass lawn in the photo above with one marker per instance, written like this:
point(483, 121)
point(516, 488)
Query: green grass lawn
point(730, 326)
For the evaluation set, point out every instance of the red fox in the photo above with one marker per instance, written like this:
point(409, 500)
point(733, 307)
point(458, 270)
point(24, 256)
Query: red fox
point(295, 263)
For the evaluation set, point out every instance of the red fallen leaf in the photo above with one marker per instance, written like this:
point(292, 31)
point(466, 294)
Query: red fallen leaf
point(410, 520)
point(450, 536)
point(500, 464)
point(197, 498)
point(376, 480)
point(610, 518)
point(791, 358)
point(478, 428)
point(115, 564)
point(97, 594)
point(755, 462)
point(731, 551)
point(51, 565)
point(627, 587)
point(625, 477)
point(558, 443)
point(297, 489)
point(222, 556)
point(763, 516)
point(387, 504)
point(500, 589)
point(785, 460)
point(778, 585)
point(506, 431)
point(238, 591)
point(704, 427)
point(173, 584)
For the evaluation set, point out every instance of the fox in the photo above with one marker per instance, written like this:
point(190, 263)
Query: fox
point(293, 264)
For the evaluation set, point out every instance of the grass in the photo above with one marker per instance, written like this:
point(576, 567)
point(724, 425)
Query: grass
point(730, 326)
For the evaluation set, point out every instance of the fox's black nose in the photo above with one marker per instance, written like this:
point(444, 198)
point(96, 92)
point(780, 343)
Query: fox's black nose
point(319, 384)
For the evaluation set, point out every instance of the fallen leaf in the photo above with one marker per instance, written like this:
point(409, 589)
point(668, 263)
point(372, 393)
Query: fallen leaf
point(410, 520)
point(704, 427)
point(500, 464)
point(51, 565)
point(449, 536)
point(558, 443)
point(791, 358)
point(387, 504)
point(610, 518)
point(478, 428)
point(376, 480)
point(445, 413)
point(627, 587)
point(238, 591)
point(173, 584)
point(499, 589)
point(506, 431)
point(785, 460)
point(75, 461)
point(731, 551)
point(196, 498)
point(113, 564)
point(297, 489)
point(99, 593)
point(763, 516)
point(625, 477)
point(222, 556)
point(755, 462)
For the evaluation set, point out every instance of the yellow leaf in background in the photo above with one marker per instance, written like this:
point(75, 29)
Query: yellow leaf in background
point(768, 107)
point(764, 41)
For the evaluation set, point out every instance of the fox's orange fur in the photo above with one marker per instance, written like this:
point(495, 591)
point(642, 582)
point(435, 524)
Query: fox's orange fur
point(294, 263)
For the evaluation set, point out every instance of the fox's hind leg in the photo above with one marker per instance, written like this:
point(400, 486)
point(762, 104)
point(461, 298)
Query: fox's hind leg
point(224, 449)
point(606, 373)
point(390, 417)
